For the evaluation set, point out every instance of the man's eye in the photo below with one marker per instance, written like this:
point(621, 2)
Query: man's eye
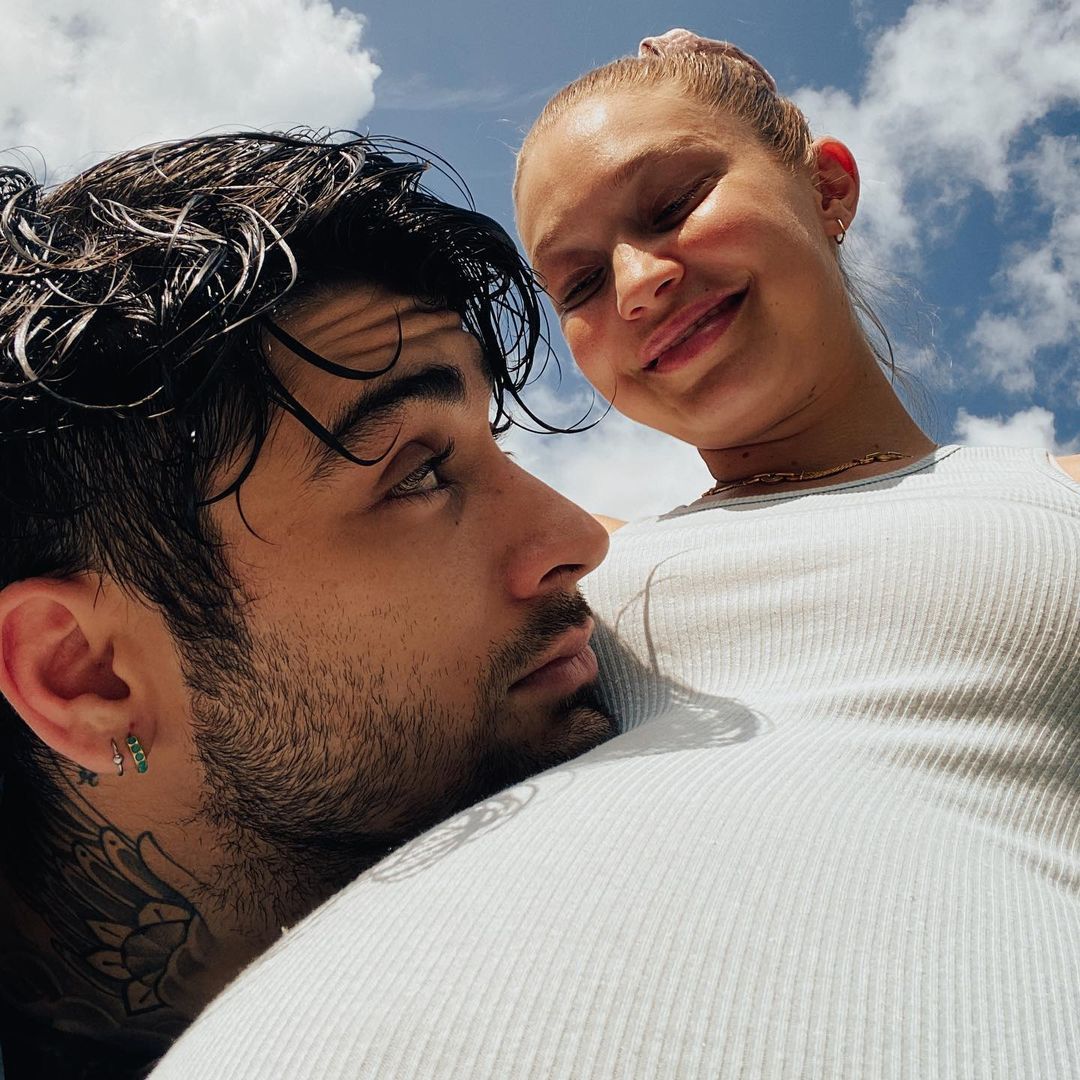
point(424, 480)
point(580, 291)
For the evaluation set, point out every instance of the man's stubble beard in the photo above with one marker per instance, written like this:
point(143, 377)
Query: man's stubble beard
point(315, 770)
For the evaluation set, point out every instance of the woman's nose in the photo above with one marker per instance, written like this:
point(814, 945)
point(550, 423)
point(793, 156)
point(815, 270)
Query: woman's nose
point(642, 279)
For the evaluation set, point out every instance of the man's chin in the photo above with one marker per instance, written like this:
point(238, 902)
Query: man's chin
point(573, 727)
point(583, 723)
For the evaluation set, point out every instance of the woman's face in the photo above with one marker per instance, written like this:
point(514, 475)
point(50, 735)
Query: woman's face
point(694, 275)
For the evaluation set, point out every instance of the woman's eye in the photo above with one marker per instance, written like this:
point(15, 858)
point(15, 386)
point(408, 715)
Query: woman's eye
point(580, 290)
point(669, 213)
point(424, 480)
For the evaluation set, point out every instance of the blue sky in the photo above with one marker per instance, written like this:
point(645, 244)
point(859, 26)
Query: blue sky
point(964, 115)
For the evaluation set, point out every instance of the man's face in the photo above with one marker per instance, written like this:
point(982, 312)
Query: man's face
point(403, 614)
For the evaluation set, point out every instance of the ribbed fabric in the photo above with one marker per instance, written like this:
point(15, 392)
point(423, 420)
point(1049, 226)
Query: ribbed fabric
point(840, 839)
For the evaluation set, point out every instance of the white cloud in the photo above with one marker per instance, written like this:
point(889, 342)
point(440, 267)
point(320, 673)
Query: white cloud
point(952, 97)
point(947, 92)
point(861, 14)
point(1031, 427)
point(617, 468)
point(1040, 285)
point(417, 93)
point(82, 80)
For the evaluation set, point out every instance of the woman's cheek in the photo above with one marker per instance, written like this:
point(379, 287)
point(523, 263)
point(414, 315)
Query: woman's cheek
point(591, 353)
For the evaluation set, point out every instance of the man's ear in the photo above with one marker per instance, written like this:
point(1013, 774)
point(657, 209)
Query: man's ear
point(836, 178)
point(64, 646)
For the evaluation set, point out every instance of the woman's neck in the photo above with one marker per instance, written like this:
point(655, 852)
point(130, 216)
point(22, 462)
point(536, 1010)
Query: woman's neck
point(850, 420)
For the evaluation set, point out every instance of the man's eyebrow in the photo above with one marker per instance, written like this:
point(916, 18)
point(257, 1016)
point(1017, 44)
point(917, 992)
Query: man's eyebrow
point(625, 172)
point(373, 411)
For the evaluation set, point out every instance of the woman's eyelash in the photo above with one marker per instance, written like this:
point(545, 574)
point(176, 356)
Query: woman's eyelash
point(408, 487)
point(674, 207)
point(578, 289)
point(678, 204)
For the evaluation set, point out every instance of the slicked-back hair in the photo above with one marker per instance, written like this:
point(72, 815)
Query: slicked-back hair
point(134, 305)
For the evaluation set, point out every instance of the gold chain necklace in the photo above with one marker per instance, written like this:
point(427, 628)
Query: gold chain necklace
point(819, 474)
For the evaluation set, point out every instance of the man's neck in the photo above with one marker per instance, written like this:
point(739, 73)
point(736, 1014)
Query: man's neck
point(105, 934)
point(33, 1050)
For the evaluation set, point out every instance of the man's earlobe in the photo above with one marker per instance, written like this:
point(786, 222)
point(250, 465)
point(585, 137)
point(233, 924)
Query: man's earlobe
point(58, 668)
point(836, 180)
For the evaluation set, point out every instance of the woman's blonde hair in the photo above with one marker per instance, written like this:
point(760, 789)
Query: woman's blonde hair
point(716, 73)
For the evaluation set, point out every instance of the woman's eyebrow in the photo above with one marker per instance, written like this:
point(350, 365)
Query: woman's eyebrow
point(624, 173)
point(658, 153)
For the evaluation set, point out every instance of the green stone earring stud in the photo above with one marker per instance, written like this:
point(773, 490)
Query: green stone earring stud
point(137, 753)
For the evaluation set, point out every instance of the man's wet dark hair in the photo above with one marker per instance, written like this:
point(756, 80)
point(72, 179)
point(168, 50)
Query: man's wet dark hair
point(135, 304)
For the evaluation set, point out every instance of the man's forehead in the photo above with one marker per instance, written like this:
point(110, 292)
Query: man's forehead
point(415, 353)
point(362, 327)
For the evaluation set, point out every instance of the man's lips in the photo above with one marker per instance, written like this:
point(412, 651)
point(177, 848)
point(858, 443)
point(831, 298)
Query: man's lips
point(682, 326)
point(567, 665)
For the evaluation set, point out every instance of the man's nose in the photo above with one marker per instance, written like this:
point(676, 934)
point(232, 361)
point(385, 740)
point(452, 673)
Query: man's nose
point(643, 279)
point(557, 542)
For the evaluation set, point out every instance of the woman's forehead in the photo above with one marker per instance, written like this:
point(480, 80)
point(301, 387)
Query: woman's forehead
point(601, 144)
point(602, 131)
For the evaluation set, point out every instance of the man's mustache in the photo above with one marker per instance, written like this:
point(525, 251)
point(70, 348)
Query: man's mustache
point(549, 619)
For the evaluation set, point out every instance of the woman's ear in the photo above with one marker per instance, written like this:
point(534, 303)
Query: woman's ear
point(836, 179)
point(61, 665)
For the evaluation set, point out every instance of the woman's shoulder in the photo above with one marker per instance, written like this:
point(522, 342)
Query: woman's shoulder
point(1071, 465)
point(609, 523)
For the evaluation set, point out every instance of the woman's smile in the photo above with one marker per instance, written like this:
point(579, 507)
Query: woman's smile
point(691, 332)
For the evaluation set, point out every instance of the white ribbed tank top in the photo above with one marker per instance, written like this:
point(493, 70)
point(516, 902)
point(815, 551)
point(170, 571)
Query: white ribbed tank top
point(841, 839)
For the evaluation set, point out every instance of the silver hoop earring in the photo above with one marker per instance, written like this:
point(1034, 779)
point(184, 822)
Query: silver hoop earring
point(118, 758)
point(842, 233)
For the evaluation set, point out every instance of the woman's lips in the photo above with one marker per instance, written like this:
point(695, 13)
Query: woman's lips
point(698, 335)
